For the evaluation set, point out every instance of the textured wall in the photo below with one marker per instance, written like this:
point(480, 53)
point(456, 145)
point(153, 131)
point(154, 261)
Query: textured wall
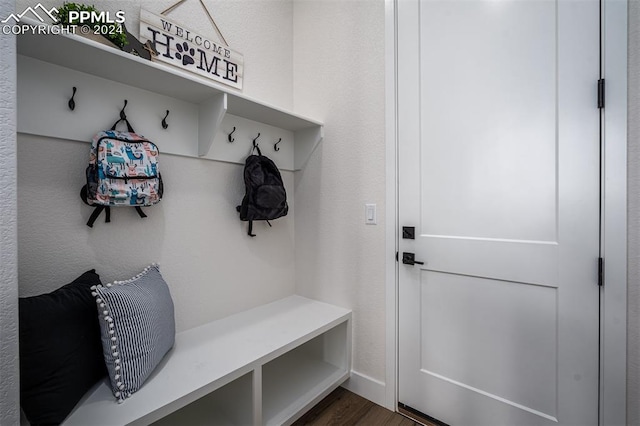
point(212, 266)
point(633, 212)
point(339, 78)
point(9, 387)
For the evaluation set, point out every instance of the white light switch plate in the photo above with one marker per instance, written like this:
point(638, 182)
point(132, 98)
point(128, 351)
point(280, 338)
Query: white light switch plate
point(370, 214)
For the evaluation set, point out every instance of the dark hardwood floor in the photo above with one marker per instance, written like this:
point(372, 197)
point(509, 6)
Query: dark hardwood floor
point(344, 408)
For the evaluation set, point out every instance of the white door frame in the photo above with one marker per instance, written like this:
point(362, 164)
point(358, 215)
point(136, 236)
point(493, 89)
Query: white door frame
point(614, 220)
point(613, 357)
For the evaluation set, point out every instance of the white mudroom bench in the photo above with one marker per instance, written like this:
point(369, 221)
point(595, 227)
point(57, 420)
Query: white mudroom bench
point(264, 366)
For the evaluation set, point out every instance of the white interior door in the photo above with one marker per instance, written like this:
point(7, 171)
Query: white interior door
point(499, 175)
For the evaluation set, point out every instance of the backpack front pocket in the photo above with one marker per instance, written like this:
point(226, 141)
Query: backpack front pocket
point(127, 172)
point(122, 159)
point(271, 196)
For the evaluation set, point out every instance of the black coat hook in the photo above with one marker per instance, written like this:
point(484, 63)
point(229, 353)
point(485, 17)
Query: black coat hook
point(275, 146)
point(72, 103)
point(164, 121)
point(255, 145)
point(123, 116)
point(230, 138)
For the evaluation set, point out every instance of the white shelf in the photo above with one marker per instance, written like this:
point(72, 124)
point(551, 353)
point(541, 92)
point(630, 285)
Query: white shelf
point(85, 55)
point(206, 358)
point(113, 66)
point(229, 405)
point(296, 381)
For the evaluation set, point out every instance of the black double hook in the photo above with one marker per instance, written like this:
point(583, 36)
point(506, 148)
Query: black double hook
point(123, 116)
point(229, 137)
point(72, 103)
point(255, 145)
point(164, 121)
point(275, 146)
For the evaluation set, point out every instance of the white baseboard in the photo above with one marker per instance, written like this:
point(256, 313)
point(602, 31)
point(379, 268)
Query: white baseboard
point(367, 387)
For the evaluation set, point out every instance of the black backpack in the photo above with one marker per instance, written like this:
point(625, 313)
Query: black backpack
point(265, 197)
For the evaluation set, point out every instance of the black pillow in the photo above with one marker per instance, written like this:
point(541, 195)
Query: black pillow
point(60, 350)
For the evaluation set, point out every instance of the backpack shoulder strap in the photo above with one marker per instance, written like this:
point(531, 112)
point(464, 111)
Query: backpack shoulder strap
point(140, 212)
point(250, 229)
point(96, 212)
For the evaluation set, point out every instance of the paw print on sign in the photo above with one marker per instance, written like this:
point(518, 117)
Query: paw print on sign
point(185, 53)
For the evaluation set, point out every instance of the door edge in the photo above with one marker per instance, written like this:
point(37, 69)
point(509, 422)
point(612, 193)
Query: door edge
point(613, 383)
point(391, 231)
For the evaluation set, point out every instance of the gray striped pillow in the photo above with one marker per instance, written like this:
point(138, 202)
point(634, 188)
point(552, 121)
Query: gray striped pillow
point(137, 326)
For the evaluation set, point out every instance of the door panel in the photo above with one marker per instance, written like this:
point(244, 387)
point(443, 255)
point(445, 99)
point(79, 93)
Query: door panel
point(489, 107)
point(492, 313)
point(498, 172)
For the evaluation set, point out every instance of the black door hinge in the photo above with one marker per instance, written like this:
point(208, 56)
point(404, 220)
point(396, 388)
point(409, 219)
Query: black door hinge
point(396, 256)
point(600, 272)
point(601, 93)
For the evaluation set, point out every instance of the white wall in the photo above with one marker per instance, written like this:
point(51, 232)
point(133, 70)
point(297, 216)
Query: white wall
point(212, 267)
point(9, 378)
point(633, 211)
point(339, 77)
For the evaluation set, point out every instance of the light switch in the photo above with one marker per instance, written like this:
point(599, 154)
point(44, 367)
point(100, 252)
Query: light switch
point(370, 216)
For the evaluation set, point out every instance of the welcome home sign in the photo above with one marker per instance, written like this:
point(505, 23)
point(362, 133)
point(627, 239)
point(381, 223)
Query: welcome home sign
point(185, 49)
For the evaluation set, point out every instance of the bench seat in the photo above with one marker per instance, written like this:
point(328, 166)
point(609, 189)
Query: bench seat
point(287, 355)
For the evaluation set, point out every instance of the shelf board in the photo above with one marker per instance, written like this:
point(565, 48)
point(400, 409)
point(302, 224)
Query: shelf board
point(293, 382)
point(268, 114)
point(94, 58)
point(196, 414)
point(87, 56)
point(229, 405)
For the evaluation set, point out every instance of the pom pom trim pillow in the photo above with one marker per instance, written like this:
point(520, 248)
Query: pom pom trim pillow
point(137, 326)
